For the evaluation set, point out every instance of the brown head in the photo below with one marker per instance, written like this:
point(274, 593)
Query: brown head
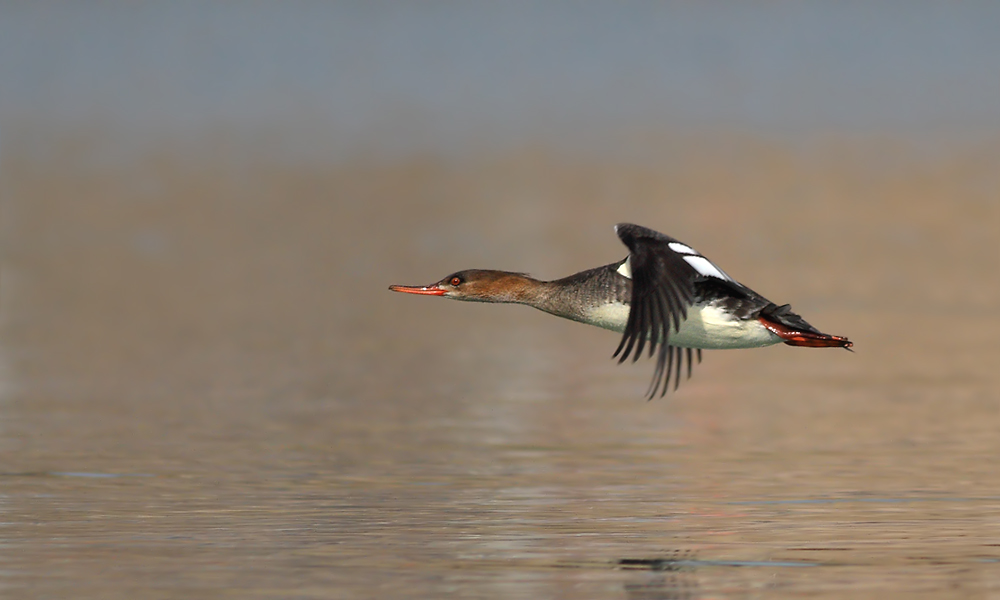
point(476, 285)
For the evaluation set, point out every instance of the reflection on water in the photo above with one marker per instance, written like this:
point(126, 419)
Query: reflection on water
point(674, 587)
point(216, 394)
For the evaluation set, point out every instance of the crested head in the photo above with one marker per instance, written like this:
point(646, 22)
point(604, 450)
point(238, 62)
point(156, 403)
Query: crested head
point(479, 285)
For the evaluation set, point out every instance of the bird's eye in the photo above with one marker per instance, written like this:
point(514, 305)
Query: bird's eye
point(456, 281)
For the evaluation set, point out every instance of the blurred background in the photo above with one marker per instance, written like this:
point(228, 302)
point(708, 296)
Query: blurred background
point(205, 385)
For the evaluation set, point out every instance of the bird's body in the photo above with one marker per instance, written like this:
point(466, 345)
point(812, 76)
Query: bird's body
point(716, 320)
point(663, 293)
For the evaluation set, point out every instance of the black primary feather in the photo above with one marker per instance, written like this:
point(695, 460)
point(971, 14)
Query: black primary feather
point(662, 291)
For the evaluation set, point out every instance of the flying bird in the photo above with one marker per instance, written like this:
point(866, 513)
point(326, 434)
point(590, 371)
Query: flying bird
point(664, 296)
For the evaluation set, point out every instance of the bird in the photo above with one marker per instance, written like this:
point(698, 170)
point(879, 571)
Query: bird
point(665, 296)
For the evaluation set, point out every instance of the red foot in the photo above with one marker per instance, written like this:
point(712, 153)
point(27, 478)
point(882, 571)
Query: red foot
point(804, 338)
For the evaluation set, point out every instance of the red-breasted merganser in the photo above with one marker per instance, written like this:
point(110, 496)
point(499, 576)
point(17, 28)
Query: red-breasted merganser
point(664, 293)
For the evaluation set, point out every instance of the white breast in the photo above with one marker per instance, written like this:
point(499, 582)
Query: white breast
point(709, 327)
point(706, 327)
point(611, 316)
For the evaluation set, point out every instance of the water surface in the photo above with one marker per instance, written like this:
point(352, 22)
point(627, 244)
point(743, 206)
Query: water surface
point(209, 391)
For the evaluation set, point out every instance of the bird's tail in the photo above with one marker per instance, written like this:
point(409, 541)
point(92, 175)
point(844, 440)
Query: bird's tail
point(809, 339)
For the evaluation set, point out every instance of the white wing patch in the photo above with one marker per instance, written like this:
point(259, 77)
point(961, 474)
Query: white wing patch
point(625, 270)
point(681, 248)
point(706, 268)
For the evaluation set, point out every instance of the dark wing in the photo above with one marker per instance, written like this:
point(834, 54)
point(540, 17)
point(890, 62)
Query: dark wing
point(783, 314)
point(664, 272)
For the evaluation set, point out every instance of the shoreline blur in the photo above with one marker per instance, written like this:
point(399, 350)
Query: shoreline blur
point(856, 224)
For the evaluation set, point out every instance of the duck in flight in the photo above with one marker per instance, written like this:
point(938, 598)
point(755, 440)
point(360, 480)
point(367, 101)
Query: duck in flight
point(664, 295)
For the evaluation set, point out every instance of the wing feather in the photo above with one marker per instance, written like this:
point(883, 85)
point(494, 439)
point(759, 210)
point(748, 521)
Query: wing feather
point(662, 291)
